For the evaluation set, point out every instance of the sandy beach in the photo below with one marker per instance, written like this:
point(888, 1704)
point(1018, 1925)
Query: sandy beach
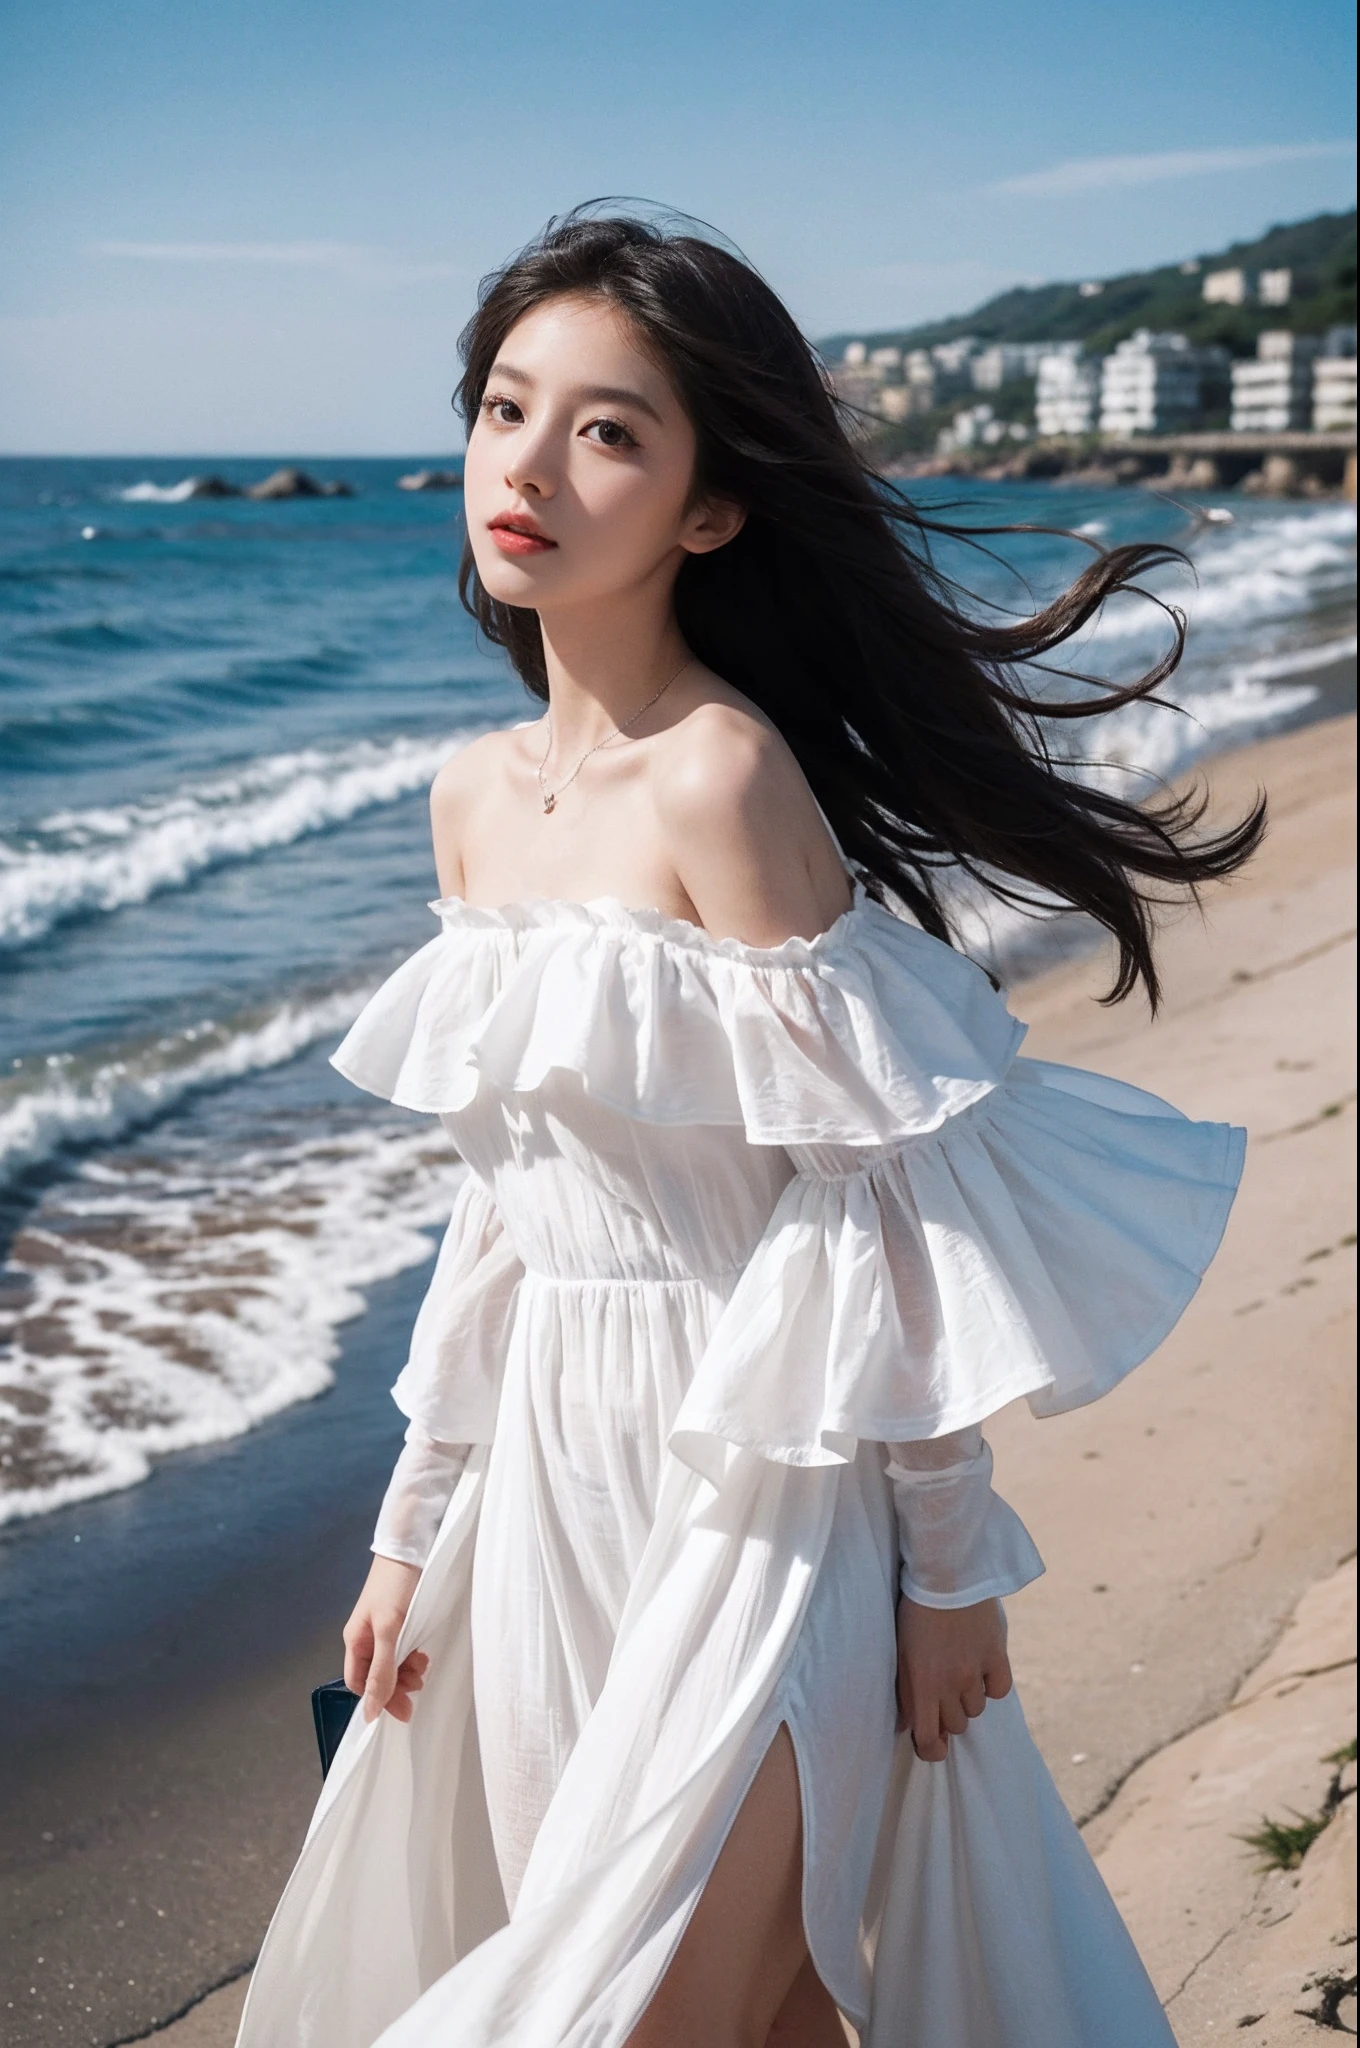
point(1193, 1524)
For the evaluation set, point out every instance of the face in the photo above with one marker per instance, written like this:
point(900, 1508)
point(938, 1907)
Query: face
point(578, 481)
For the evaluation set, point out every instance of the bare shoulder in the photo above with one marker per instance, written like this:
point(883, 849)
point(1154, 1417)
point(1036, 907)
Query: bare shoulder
point(748, 840)
point(467, 779)
point(724, 763)
point(467, 768)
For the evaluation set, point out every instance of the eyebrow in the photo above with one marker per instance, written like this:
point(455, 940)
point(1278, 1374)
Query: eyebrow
point(598, 394)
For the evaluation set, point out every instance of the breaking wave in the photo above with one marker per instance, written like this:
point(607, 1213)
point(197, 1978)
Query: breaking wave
point(77, 862)
point(48, 1104)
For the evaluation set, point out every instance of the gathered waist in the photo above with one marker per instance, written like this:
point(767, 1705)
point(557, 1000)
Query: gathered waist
point(719, 1281)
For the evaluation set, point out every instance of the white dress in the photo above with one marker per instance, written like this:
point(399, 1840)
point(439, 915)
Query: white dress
point(735, 1219)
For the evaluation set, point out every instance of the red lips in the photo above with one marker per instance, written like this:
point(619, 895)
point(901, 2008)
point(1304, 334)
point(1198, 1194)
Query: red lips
point(515, 533)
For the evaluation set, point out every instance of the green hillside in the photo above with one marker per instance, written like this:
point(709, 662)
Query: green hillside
point(1320, 252)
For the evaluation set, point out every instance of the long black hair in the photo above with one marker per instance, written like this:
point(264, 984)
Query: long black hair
point(907, 709)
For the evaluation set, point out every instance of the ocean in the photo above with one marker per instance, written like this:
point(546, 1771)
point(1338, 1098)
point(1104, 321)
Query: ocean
point(218, 723)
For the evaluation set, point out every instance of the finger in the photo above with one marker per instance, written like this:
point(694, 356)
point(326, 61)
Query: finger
point(997, 1677)
point(382, 1674)
point(973, 1698)
point(903, 1674)
point(409, 1680)
point(953, 1719)
point(930, 1743)
point(358, 1656)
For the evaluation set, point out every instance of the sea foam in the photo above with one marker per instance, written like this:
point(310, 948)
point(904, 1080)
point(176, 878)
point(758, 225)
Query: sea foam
point(160, 494)
point(101, 859)
point(1276, 569)
point(174, 1301)
point(48, 1104)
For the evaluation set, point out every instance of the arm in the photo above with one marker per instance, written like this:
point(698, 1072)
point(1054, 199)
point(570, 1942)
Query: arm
point(418, 1492)
point(421, 1487)
point(962, 1548)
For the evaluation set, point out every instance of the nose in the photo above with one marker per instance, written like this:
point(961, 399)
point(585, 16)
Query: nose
point(529, 468)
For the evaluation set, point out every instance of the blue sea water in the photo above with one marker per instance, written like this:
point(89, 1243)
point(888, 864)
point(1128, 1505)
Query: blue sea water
point(218, 723)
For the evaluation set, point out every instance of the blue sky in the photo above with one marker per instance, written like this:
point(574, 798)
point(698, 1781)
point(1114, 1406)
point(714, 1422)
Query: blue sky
point(257, 227)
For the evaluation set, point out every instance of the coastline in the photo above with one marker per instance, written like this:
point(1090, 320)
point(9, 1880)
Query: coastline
point(1298, 464)
point(159, 1767)
point(155, 1814)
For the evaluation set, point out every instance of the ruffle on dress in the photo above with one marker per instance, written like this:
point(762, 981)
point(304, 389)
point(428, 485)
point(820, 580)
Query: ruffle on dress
point(870, 1033)
point(962, 1228)
point(1041, 1243)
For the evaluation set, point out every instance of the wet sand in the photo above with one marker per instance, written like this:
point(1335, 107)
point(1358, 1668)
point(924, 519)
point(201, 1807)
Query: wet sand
point(1182, 1519)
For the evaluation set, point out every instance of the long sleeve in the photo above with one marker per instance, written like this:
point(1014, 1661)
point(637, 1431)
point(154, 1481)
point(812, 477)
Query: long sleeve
point(960, 1542)
point(420, 1489)
point(451, 1381)
point(449, 1388)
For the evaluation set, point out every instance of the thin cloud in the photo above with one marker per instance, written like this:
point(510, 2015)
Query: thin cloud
point(1107, 173)
point(353, 260)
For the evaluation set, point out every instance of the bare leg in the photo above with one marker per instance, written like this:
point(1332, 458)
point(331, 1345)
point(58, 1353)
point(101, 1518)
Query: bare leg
point(742, 1977)
point(808, 2017)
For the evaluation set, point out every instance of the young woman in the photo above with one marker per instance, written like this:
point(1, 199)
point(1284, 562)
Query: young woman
point(687, 1717)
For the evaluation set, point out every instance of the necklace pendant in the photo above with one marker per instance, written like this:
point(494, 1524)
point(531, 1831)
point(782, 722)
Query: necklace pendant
point(549, 802)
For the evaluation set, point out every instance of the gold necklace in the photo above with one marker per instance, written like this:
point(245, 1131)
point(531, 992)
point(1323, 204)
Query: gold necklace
point(550, 796)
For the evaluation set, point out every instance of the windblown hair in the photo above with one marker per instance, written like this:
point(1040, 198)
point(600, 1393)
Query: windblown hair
point(907, 709)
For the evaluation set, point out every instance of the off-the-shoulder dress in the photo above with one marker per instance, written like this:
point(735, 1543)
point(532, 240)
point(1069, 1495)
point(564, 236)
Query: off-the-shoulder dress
point(734, 1220)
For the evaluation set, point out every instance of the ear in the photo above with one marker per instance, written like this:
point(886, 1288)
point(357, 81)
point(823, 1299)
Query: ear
point(711, 524)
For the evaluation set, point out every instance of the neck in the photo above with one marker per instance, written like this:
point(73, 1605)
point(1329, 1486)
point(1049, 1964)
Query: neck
point(605, 660)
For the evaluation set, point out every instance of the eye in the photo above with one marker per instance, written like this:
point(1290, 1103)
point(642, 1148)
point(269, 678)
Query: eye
point(504, 411)
point(611, 434)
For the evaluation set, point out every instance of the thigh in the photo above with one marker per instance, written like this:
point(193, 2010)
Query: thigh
point(742, 1968)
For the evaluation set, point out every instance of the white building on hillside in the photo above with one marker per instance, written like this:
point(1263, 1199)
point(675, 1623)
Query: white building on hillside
point(1067, 391)
point(1226, 288)
point(1001, 362)
point(978, 427)
point(1334, 394)
point(899, 401)
point(953, 357)
point(1275, 287)
point(1155, 384)
point(857, 382)
point(996, 365)
point(1274, 394)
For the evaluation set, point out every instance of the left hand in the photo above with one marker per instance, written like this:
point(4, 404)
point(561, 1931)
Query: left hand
point(950, 1662)
point(371, 1635)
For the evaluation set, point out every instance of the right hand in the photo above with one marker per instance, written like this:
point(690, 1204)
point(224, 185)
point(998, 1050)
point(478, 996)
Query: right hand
point(950, 1662)
point(371, 1633)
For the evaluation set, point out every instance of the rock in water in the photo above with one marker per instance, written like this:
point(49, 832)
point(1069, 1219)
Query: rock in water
point(296, 483)
point(431, 480)
point(211, 487)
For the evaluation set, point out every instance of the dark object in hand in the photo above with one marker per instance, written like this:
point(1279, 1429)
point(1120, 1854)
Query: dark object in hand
point(332, 1705)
